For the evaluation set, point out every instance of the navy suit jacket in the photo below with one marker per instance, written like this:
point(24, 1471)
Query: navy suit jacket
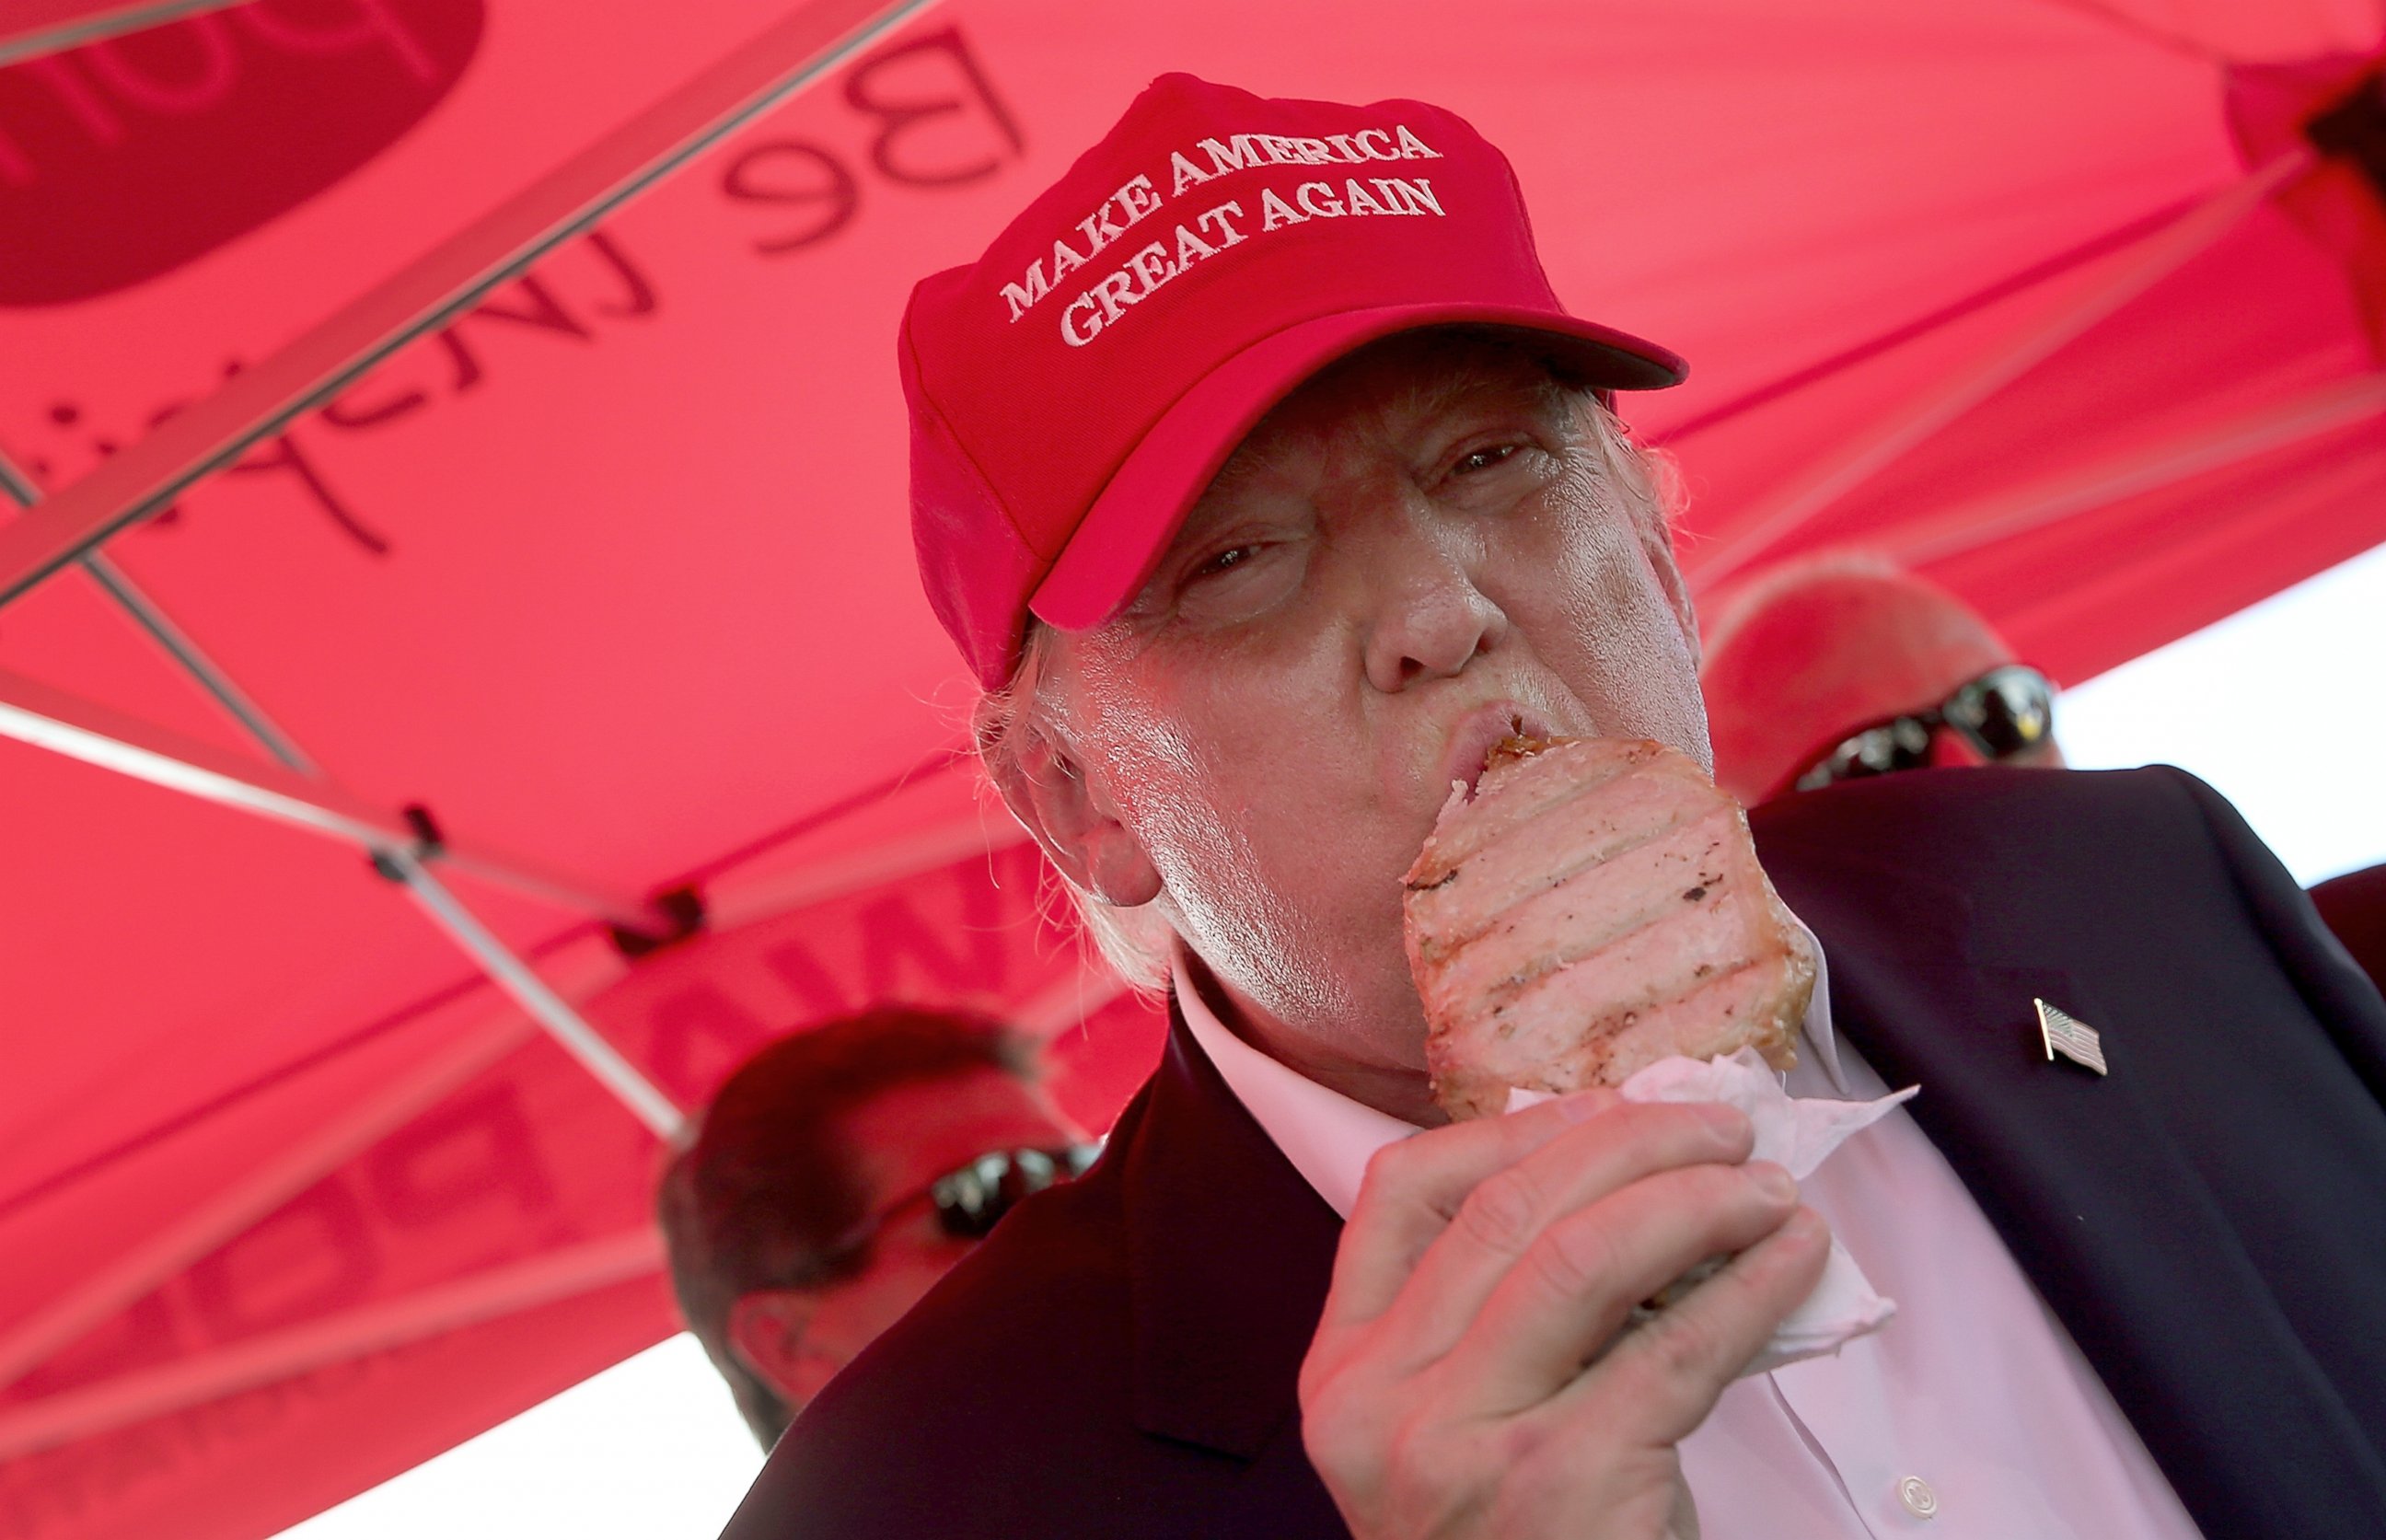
point(2353, 906)
point(2209, 1222)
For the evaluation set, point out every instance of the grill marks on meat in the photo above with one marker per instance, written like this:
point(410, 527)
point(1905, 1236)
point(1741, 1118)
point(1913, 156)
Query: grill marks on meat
point(1566, 852)
point(1507, 799)
point(1607, 910)
point(1596, 906)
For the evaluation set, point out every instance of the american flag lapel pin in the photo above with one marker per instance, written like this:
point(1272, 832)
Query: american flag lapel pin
point(2067, 1034)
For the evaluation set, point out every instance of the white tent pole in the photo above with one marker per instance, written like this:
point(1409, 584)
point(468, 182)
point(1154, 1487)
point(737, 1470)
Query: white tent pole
point(135, 483)
point(1858, 460)
point(389, 855)
point(36, 714)
point(197, 664)
point(141, 1394)
point(48, 717)
point(114, 581)
point(349, 1334)
point(547, 1008)
point(51, 26)
point(800, 49)
point(2193, 452)
point(219, 1218)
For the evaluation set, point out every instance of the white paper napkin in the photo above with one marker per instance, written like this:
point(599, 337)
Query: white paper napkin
point(1797, 1134)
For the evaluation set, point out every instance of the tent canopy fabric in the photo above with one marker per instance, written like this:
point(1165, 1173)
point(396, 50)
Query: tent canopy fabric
point(2066, 304)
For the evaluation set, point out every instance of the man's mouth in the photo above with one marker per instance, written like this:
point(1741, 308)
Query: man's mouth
point(1481, 731)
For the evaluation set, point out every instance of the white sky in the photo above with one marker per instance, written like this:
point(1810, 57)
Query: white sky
point(651, 1449)
point(2279, 705)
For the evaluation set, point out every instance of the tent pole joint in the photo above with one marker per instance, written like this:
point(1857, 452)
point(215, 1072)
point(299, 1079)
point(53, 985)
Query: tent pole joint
point(428, 845)
point(409, 867)
point(681, 908)
point(507, 968)
point(2354, 128)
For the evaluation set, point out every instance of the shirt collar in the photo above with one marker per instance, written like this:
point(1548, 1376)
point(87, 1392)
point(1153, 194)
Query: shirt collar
point(1328, 1137)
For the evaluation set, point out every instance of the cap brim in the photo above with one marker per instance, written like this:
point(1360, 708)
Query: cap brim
point(1124, 534)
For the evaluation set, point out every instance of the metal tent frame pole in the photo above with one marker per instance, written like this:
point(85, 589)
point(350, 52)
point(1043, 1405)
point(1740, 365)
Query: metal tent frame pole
point(550, 1010)
point(301, 795)
point(806, 45)
point(52, 26)
point(487, 1039)
point(451, 278)
point(48, 717)
point(69, 528)
point(573, 1270)
point(162, 629)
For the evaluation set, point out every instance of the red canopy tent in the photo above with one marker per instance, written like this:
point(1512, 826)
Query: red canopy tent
point(458, 480)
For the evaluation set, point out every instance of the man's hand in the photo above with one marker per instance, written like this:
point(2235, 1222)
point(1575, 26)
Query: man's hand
point(1467, 1379)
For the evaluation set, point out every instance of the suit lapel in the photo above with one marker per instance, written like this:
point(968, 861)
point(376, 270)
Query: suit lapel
point(1229, 1252)
point(2084, 1180)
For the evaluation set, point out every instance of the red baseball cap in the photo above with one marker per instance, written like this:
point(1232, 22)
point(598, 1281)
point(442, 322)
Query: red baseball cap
point(1075, 389)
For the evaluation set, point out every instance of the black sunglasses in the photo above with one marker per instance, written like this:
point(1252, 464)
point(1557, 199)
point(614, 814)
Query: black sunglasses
point(971, 1199)
point(968, 1200)
point(2006, 711)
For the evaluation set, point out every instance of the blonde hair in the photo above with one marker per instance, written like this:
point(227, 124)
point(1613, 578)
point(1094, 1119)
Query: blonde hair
point(1137, 942)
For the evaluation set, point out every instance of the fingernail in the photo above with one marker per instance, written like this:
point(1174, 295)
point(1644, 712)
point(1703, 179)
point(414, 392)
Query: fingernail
point(1772, 1181)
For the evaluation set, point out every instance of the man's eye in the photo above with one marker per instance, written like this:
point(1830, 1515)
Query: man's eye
point(1483, 460)
point(1233, 555)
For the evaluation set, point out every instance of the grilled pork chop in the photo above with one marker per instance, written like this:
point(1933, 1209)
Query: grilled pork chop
point(1593, 908)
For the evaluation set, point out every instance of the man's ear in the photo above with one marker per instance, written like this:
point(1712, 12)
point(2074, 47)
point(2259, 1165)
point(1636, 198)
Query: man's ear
point(766, 1330)
point(1073, 820)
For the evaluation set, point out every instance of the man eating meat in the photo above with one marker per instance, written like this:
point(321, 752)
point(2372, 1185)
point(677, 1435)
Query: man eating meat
point(1266, 487)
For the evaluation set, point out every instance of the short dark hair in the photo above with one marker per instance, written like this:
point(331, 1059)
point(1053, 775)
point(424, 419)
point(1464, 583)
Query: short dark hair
point(767, 1186)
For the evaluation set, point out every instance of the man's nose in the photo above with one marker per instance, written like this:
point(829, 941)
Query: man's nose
point(1429, 617)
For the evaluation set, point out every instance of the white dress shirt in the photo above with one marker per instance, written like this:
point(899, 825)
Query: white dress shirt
point(1971, 1416)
